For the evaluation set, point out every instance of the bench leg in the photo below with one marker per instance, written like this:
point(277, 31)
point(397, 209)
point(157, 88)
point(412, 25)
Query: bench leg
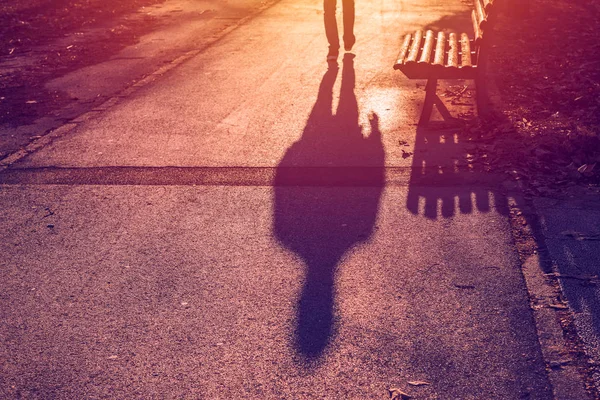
point(484, 106)
point(483, 100)
point(442, 109)
point(430, 100)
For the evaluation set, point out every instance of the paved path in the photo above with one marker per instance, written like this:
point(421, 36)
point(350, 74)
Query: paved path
point(224, 234)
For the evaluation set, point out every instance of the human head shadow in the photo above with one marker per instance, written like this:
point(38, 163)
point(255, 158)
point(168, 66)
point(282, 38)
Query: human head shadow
point(327, 191)
point(445, 179)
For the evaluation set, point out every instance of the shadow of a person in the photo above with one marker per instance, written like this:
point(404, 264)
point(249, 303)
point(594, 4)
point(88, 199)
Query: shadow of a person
point(320, 209)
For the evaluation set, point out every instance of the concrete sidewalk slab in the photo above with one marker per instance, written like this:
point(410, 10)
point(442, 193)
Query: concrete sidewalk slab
point(185, 26)
point(245, 101)
point(170, 292)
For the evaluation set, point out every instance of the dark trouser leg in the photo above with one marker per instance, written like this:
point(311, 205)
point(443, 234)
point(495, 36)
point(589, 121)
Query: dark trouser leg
point(348, 23)
point(331, 30)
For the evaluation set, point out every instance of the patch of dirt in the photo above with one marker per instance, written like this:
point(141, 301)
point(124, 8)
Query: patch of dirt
point(548, 132)
point(29, 27)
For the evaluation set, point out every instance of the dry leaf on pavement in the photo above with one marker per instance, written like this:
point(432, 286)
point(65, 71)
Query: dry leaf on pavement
point(397, 394)
point(419, 383)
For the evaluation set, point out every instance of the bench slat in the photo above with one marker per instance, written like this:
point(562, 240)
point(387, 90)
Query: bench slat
point(414, 48)
point(452, 51)
point(403, 51)
point(423, 56)
point(426, 71)
point(440, 49)
point(427, 48)
point(465, 48)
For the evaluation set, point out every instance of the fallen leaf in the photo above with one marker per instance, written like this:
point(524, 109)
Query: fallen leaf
point(581, 236)
point(419, 383)
point(406, 154)
point(590, 168)
point(583, 169)
point(397, 394)
point(559, 363)
point(577, 277)
point(461, 287)
point(558, 306)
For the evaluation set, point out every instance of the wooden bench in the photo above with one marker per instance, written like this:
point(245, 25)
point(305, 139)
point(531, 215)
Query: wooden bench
point(432, 56)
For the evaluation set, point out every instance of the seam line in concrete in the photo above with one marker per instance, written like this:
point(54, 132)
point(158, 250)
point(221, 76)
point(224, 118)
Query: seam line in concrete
point(248, 176)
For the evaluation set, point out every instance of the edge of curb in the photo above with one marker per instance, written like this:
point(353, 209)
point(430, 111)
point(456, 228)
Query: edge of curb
point(563, 373)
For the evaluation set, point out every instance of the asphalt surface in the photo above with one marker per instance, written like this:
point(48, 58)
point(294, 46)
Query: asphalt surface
point(244, 275)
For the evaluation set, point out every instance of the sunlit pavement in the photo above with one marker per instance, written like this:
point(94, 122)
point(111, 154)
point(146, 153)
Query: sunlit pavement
point(253, 225)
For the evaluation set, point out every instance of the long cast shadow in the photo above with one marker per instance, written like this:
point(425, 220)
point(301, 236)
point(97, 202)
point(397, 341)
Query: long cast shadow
point(321, 217)
point(444, 180)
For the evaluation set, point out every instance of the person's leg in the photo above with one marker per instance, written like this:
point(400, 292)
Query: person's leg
point(331, 30)
point(349, 38)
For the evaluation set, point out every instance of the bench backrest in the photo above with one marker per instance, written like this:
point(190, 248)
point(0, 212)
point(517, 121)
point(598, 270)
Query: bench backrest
point(451, 52)
point(483, 17)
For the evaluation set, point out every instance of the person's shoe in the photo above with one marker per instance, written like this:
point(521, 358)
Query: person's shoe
point(332, 55)
point(349, 42)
